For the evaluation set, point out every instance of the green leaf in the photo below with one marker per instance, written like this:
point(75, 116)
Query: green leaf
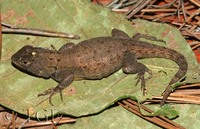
point(120, 118)
point(112, 118)
point(166, 110)
point(19, 90)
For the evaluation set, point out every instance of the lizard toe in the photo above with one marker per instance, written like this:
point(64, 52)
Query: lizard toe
point(52, 91)
point(46, 92)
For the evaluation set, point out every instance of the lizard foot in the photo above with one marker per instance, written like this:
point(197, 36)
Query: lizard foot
point(51, 91)
point(46, 92)
point(140, 76)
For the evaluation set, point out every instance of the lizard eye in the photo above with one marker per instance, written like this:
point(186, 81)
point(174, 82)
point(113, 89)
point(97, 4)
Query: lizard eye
point(26, 60)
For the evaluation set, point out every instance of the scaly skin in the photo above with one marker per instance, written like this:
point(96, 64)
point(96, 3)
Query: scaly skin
point(96, 58)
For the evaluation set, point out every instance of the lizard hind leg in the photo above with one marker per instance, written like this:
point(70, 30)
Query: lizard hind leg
point(131, 66)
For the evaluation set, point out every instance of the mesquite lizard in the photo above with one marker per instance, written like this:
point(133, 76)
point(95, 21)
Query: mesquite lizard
point(96, 58)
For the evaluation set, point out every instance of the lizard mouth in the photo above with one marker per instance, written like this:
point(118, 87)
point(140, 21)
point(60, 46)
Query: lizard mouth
point(18, 65)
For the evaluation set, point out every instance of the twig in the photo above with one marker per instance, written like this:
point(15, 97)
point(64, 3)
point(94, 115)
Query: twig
point(196, 46)
point(150, 111)
point(99, 2)
point(183, 8)
point(193, 43)
point(181, 95)
point(12, 121)
point(58, 120)
point(139, 7)
point(197, 37)
point(158, 10)
point(152, 2)
point(133, 7)
point(195, 2)
point(177, 10)
point(124, 3)
point(20, 127)
point(120, 10)
point(54, 124)
point(191, 16)
point(155, 120)
point(33, 31)
point(162, 6)
point(113, 3)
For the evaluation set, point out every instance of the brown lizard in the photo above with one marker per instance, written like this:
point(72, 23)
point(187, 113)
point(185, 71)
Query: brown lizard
point(96, 58)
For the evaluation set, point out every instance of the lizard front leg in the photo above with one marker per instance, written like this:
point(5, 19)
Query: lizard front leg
point(132, 66)
point(65, 78)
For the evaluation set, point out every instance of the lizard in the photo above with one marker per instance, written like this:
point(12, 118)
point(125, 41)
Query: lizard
point(97, 58)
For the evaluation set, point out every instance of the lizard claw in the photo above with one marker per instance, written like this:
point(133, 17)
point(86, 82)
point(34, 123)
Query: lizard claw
point(53, 93)
point(150, 75)
point(138, 79)
point(140, 76)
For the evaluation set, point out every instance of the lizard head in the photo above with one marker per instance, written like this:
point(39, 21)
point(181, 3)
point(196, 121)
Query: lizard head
point(30, 59)
point(23, 58)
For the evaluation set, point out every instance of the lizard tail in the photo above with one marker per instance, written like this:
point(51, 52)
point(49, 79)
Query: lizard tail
point(157, 51)
point(182, 62)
